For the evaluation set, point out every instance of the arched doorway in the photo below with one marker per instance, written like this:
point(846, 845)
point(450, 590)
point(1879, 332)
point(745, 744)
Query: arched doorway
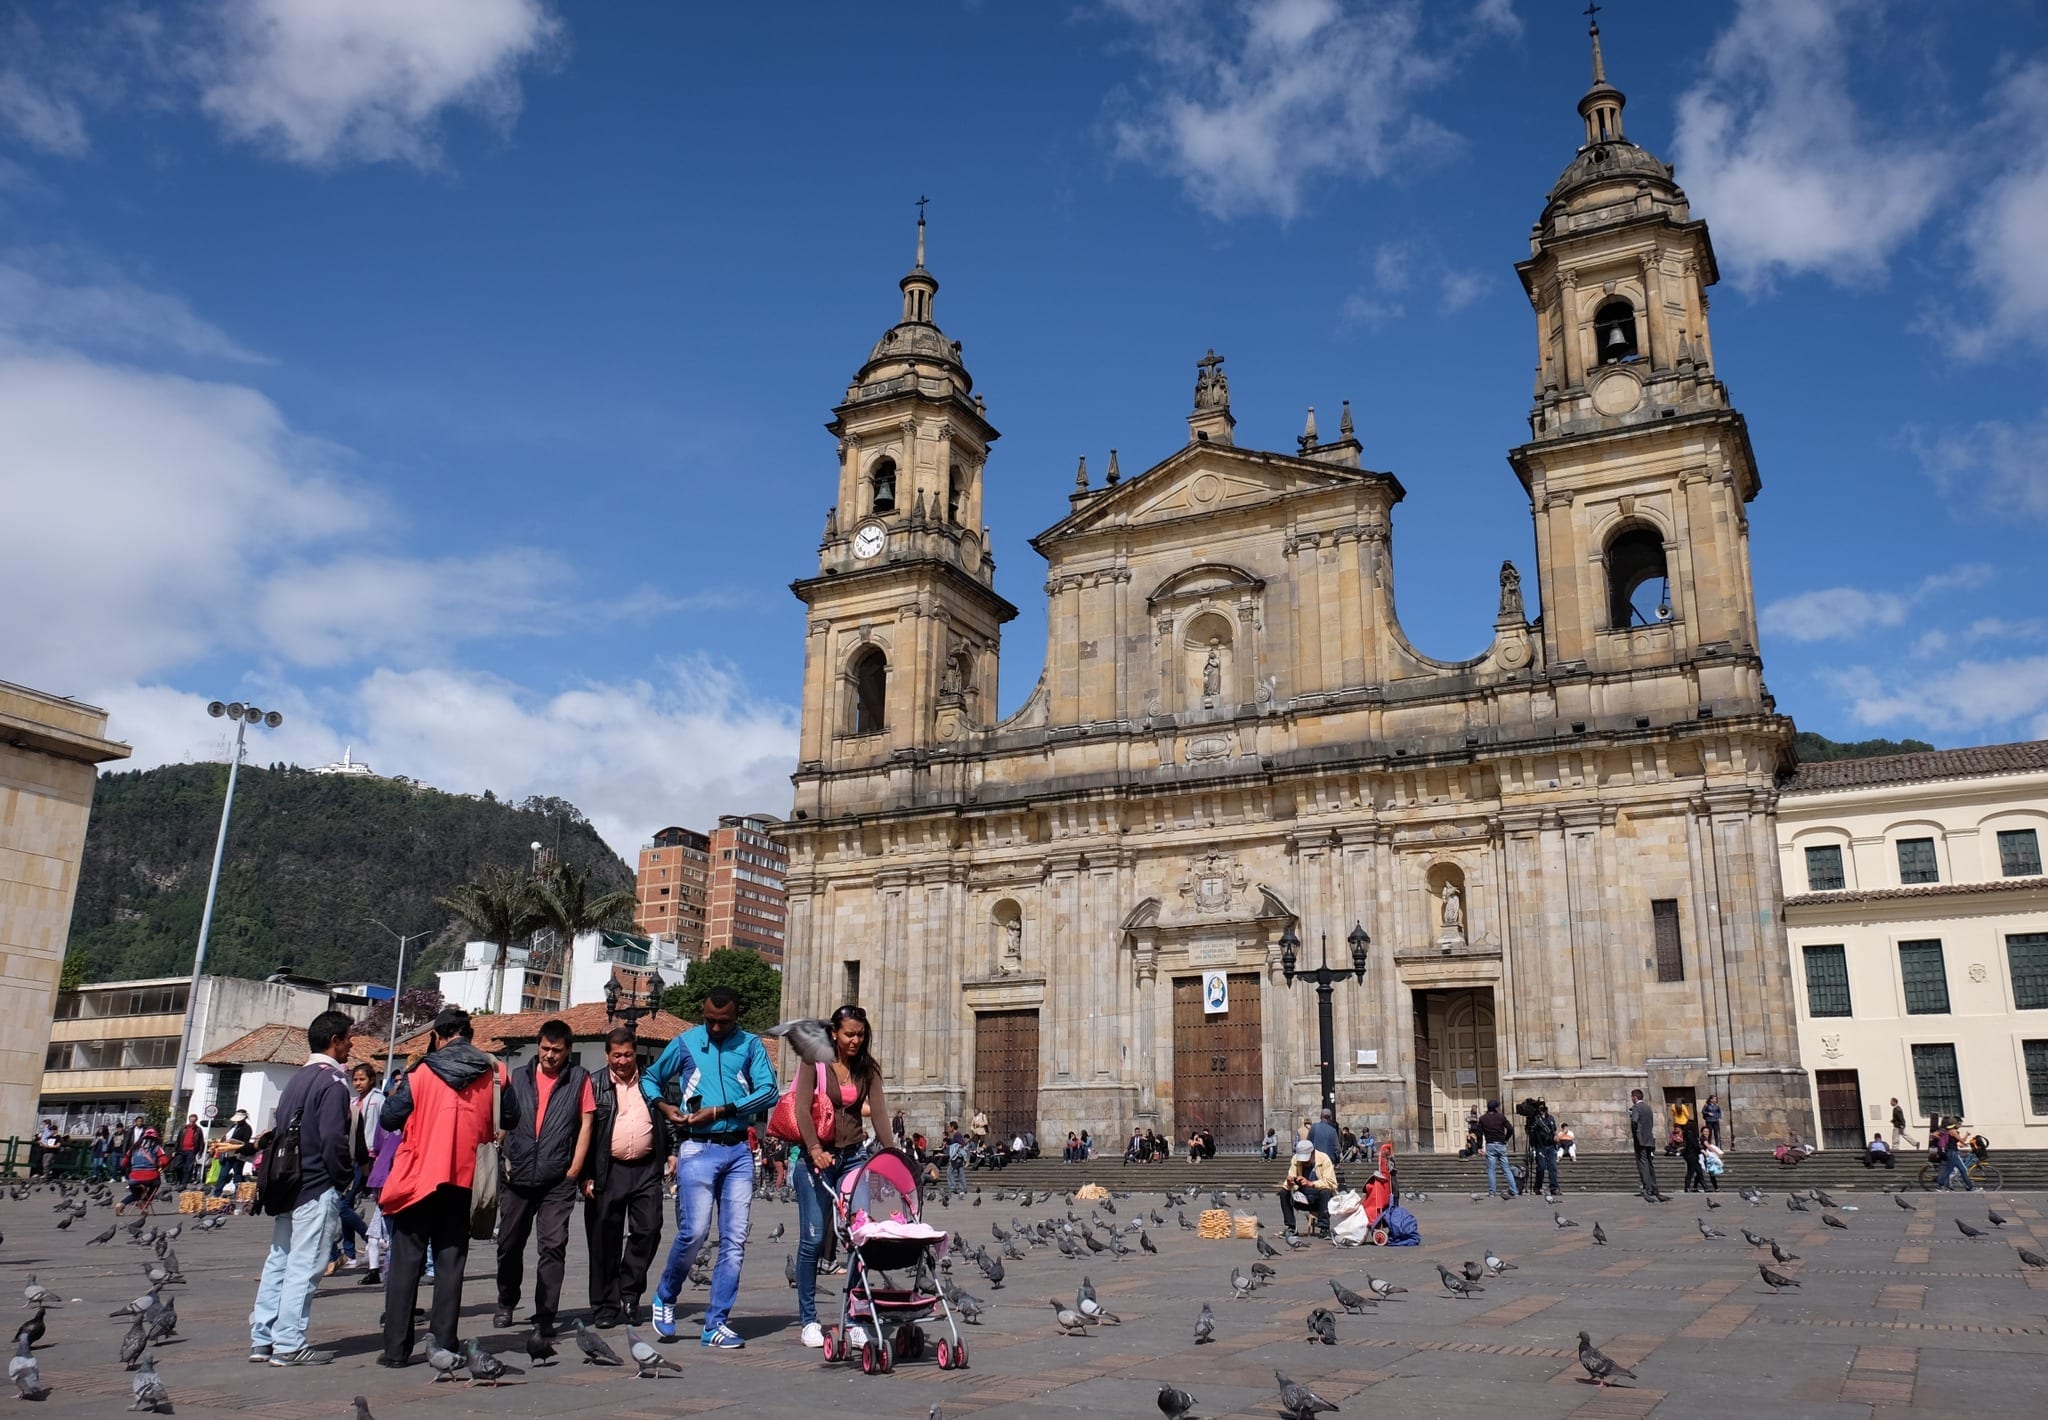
point(1458, 1061)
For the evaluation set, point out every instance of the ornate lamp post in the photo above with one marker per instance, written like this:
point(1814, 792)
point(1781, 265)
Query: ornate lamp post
point(1326, 979)
point(630, 1006)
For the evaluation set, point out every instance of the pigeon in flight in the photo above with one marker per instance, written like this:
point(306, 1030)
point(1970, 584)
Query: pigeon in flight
point(810, 1039)
point(1967, 1231)
point(648, 1360)
point(1454, 1284)
point(1299, 1401)
point(1174, 1403)
point(1205, 1326)
point(1322, 1327)
point(150, 1394)
point(1777, 1281)
point(1598, 1364)
point(1599, 1235)
point(1778, 1254)
point(1348, 1299)
point(596, 1350)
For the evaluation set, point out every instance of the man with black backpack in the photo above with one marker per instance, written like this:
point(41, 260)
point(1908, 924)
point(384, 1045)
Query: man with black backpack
point(306, 1162)
point(1541, 1130)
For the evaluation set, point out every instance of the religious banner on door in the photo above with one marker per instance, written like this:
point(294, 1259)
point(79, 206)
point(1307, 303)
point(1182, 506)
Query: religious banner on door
point(1215, 993)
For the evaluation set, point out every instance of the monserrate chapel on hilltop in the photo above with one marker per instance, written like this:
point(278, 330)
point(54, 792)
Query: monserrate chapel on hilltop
point(1562, 851)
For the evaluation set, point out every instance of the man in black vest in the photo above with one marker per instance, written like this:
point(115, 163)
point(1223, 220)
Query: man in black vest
point(547, 1134)
point(630, 1147)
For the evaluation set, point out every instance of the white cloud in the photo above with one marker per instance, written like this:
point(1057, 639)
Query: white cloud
point(1842, 613)
point(1253, 106)
point(326, 81)
point(41, 116)
point(1462, 288)
point(1777, 154)
point(2002, 231)
point(50, 296)
point(359, 607)
point(2008, 696)
point(1999, 466)
point(632, 755)
point(1397, 267)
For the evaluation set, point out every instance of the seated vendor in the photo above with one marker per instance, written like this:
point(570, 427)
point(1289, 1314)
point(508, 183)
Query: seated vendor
point(1878, 1152)
point(1310, 1182)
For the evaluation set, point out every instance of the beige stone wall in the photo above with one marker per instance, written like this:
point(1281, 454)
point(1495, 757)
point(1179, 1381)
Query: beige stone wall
point(48, 748)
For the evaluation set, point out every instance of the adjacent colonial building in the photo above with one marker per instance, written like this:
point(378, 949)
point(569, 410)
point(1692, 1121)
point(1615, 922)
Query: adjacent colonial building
point(1563, 850)
point(1918, 919)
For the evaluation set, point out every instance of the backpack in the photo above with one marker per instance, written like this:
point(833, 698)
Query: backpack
point(278, 1171)
point(1542, 1133)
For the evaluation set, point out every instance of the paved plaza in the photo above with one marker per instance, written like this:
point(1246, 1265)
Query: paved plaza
point(1898, 1313)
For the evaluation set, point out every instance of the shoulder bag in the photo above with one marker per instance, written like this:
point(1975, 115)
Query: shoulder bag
point(782, 1119)
point(483, 1188)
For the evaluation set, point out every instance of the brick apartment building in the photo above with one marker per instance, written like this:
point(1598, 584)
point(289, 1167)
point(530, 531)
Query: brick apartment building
point(748, 902)
point(672, 888)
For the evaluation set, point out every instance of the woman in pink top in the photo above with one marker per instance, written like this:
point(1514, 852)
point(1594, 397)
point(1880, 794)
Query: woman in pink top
point(853, 1082)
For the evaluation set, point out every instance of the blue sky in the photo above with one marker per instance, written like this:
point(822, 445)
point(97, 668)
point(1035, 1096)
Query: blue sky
point(452, 377)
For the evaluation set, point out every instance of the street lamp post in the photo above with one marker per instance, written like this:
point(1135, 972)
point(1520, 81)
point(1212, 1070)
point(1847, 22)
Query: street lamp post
point(1326, 979)
point(397, 990)
point(243, 716)
point(630, 1006)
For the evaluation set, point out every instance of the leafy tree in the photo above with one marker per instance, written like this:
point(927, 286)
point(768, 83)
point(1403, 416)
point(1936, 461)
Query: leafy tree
point(1814, 749)
point(500, 907)
point(758, 985)
point(416, 1006)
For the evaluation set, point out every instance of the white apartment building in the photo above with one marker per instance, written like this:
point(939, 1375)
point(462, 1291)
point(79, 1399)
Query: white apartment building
point(1917, 914)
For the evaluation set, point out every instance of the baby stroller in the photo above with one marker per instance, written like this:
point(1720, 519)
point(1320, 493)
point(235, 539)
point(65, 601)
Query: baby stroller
point(878, 1217)
point(1365, 1223)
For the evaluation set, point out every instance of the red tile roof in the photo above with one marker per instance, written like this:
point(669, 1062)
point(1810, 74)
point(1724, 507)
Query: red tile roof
point(2022, 757)
point(1821, 899)
point(497, 1033)
point(286, 1045)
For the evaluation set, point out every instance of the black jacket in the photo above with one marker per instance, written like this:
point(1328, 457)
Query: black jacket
point(1495, 1127)
point(597, 1162)
point(542, 1160)
point(318, 1097)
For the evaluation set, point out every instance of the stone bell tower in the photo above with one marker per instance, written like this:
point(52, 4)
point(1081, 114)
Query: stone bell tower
point(1637, 467)
point(905, 625)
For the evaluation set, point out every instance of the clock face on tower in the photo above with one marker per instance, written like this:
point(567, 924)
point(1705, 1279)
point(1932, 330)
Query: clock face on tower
point(868, 541)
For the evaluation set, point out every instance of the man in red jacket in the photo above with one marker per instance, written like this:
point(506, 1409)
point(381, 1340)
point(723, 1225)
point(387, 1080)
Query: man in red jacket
point(443, 1107)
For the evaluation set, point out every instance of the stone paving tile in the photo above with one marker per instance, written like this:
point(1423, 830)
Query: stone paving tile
point(1868, 1334)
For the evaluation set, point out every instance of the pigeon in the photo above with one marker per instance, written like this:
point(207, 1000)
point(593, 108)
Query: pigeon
point(1454, 1284)
point(1967, 1231)
point(1262, 1274)
point(1322, 1327)
point(1754, 1240)
point(1708, 1232)
point(1069, 1320)
point(68, 1221)
point(139, 1305)
point(1240, 1285)
point(1299, 1401)
point(1712, 1204)
point(780, 1229)
point(650, 1361)
point(1832, 1221)
point(1348, 1299)
point(21, 1369)
point(1793, 1204)
point(1145, 1243)
point(1752, 1196)
point(1174, 1403)
point(1777, 1281)
point(789, 1268)
point(2032, 1259)
point(969, 1308)
point(1497, 1264)
point(1185, 1225)
point(161, 1321)
point(1086, 1304)
point(444, 1363)
point(133, 1344)
point(1472, 1271)
point(30, 1331)
point(810, 1039)
point(38, 1295)
point(1265, 1248)
point(1599, 1235)
point(1205, 1326)
point(1996, 1218)
point(1381, 1289)
point(485, 1368)
point(1599, 1365)
point(101, 1239)
point(994, 1272)
point(150, 1394)
point(1778, 1254)
point(1820, 1196)
point(596, 1350)
point(1900, 1200)
point(539, 1349)
point(363, 1409)
point(1562, 1221)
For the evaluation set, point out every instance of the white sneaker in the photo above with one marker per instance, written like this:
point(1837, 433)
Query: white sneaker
point(814, 1335)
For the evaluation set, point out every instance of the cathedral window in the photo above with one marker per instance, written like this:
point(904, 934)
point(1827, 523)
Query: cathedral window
point(1638, 579)
point(1614, 332)
point(956, 484)
point(1664, 931)
point(884, 481)
point(870, 692)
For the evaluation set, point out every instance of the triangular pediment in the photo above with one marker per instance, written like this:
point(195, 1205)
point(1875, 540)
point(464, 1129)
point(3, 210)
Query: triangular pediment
point(1200, 480)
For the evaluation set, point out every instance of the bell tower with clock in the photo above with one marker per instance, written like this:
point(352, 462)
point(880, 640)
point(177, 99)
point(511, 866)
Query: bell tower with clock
point(905, 626)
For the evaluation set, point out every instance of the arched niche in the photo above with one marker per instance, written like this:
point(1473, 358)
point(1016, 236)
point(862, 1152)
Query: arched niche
point(1006, 935)
point(1450, 905)
point(1638, 577)
point(1209, 662)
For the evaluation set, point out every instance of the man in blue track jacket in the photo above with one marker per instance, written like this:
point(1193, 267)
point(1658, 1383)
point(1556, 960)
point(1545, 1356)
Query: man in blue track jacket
point(724, 1081)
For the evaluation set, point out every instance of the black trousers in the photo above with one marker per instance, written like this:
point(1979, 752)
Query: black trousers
point(1695, 1175)
point(622, 1229)
point(523, 1211)
point(1318, 1206)
point(1646, 1168)
point(439, 1221)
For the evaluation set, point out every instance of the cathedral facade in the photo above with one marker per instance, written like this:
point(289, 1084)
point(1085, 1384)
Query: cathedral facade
point(1560, 856)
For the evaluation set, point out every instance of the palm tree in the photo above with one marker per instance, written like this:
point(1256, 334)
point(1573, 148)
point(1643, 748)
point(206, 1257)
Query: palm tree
point(562, 896)
point(499, 906)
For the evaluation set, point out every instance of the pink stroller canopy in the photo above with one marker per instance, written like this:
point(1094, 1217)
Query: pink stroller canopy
point(883, 1187)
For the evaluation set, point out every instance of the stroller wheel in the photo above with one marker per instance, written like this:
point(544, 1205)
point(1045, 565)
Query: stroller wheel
point(960, 1357)
point(830, 1351)
point(1379, 1237)
point(867, 1359)
point(945, 1355)
point(885, 1357)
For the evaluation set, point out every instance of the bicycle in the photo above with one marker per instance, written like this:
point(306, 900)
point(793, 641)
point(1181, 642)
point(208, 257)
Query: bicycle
point(1979, 1171)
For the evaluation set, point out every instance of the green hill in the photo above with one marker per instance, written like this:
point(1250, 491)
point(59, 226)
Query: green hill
point(1813, 749)
point(309, 857)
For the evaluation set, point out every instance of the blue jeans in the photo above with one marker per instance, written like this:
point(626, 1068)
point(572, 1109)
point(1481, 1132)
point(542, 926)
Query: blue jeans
point(815, 1189)
point(956, 1174)
point(1500, 1152)
point(708, 1173)
point(1546, 1167)
point(1953, 1161)
point(299, 1244)
point(352, 1227)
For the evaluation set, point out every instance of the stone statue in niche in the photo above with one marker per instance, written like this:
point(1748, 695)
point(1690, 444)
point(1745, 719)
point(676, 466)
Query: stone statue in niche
point(1212, 672)
point(950, 683)
point(1452, 903)
point(1510, 591)
point(1013, 945)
